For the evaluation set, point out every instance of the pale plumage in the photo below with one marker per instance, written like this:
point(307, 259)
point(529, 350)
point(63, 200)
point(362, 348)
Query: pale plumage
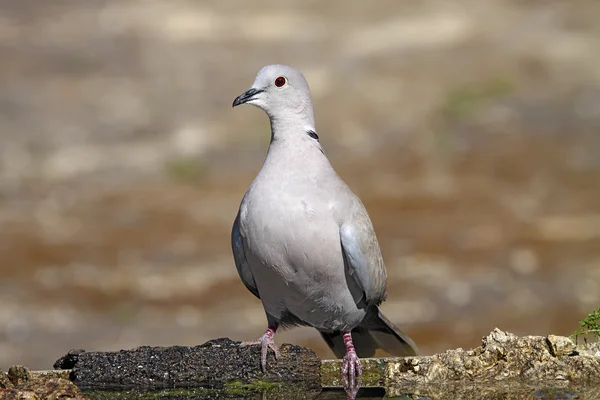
point(302, 241)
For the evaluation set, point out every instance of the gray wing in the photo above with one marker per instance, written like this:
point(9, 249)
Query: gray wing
point(363, 255)
point(239, 256)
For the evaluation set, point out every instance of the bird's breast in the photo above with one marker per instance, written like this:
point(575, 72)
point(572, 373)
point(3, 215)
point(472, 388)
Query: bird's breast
point(290, 231)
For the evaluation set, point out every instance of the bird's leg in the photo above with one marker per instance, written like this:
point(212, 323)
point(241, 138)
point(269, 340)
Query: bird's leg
point(266, 342)
point(351, 367)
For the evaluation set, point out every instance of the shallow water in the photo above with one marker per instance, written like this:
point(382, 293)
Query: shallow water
point(364, 393)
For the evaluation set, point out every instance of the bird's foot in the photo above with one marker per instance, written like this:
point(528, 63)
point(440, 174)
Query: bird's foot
point(266, 342)
point(351, 367)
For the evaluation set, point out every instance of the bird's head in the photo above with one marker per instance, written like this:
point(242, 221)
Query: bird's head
point(281, 91)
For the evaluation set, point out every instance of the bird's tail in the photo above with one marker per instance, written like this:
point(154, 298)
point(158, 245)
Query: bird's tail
point(375, 332)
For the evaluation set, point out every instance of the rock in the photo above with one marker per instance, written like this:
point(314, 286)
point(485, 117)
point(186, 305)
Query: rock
point(589, 349)
point(560, 345)
point(216, 364)
point(502, 357)
point(53, 388)
point(21, 384)
point(5, 382)
point(18, 375)
point(69, 360)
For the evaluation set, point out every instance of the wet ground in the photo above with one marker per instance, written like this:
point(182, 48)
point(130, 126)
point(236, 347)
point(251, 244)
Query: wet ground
point(471, 131)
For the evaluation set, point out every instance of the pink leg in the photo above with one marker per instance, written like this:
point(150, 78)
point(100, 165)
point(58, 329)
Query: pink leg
point(266, 342)
point(351, 364)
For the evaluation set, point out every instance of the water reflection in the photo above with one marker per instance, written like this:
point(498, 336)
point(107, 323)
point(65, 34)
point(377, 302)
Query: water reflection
point(451, 392)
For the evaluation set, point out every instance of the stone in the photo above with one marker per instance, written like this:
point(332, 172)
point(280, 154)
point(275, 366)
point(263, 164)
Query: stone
point(18, 375)
point(21, 384)
point(501, 358)
point(69, 360)
point(560, 345)
point(5, 382)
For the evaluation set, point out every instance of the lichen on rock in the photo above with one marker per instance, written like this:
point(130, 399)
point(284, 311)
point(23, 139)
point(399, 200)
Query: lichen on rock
point(21, 384)
point(502, 357)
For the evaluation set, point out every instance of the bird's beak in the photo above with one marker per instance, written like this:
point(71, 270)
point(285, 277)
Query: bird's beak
point(246, 96)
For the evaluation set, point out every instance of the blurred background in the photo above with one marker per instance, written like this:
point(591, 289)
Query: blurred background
point(470, 129)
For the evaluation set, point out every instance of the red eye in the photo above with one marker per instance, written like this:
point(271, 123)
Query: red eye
point(279, 82)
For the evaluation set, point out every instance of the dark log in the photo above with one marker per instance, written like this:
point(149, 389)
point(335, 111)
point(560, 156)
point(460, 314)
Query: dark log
point(214, 364)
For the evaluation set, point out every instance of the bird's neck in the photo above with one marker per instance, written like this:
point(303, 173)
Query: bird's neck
point(289, 124)
point(294, 132)
point(295, 144)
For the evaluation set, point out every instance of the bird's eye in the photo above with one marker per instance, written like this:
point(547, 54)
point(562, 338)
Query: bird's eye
point(279, 82)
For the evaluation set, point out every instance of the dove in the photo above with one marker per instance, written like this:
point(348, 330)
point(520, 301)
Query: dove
point(303, 242)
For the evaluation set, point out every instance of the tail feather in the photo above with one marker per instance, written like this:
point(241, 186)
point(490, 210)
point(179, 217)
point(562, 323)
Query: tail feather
point(376, 332)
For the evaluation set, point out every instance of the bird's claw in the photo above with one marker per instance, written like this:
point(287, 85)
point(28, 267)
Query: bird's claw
point(265, 346)
point(351, 369)
point(266, 342)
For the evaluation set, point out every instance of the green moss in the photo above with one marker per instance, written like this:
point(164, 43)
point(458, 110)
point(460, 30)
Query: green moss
point(239, 388)
point(169, 394)
point(230, 390)
point(331, 373)
point(589, 327)
point(373, 372)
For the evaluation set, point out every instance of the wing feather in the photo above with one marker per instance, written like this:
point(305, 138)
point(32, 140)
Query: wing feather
point(363, 255)
point(239, 256)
